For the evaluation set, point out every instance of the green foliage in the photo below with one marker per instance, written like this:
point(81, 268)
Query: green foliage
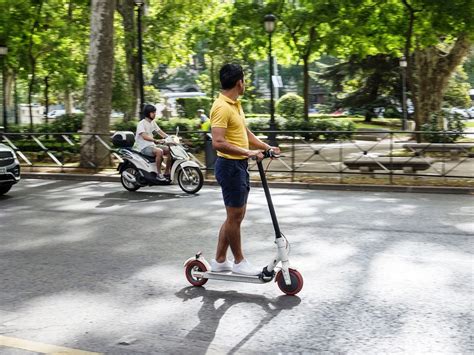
point(125, 126)
point(365, 83)
point(54, 143)
point(121, 100)
point(189, 106)
point(56, 34)
point(290, 106)
point(64, 124)
point(262, 122)
point(184, 124)
point(457, 93)
point(469, 68)
point(326, 124)
point(328, 129)
point(436, 132)
point(246, 106)
point(67, 123)
point(49, 39)
point(260, 106)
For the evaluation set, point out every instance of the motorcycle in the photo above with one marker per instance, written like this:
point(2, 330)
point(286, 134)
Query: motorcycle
point(138, 170)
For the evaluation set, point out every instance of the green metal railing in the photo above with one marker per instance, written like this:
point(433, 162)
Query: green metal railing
point(304, 153)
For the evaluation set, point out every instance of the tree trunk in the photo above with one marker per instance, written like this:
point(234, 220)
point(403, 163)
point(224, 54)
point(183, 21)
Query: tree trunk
point(125, 8)
point(213, 79)
point(46, 98)
point(430, 74)
point(68, 102)
point(9, 97)
point(30, 90)
point(15, 99)
point(99, 83)
point(32, 61)
point(306, 87)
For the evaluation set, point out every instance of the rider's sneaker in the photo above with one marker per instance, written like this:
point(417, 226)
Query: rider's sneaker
point(160, 177)
point(167, 176)
point(221, 267)
point(245, 268)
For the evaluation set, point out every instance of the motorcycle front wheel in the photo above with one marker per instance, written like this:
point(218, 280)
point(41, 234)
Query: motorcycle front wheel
point(190, 179)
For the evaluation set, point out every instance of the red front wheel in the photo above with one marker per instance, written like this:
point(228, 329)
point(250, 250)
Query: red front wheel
point(195, 267)
point(296, 282)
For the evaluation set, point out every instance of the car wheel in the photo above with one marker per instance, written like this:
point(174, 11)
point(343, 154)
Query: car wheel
point(4, 189)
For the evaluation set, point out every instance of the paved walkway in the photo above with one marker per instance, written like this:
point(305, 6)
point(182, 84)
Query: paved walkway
point(89, 266)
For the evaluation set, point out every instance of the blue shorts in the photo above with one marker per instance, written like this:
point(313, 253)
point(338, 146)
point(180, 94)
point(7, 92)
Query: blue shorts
point(234, 179)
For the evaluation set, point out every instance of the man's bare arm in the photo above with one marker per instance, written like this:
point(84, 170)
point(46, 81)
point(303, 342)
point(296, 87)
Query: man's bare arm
point(257, 143)
point(220, 143)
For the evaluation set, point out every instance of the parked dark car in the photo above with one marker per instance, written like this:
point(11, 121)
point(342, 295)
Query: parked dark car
point(9, 169)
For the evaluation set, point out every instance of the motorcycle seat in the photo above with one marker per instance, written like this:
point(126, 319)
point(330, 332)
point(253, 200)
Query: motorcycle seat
point(144, 156)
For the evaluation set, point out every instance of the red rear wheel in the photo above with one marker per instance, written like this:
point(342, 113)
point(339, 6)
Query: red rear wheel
point(296, 282)
point(192, 268)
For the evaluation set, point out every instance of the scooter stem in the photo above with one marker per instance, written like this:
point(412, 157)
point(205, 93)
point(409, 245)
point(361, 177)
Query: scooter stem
point(269, 199)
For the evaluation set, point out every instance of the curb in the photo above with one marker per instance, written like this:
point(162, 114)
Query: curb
point(285, 185)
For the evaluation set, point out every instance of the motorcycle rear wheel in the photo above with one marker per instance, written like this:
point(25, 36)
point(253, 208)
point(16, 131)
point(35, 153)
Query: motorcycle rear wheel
point(128, 185)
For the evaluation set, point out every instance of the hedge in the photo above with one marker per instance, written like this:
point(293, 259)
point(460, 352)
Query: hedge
point(188, 106)
point(290, 106)
point(455, 128)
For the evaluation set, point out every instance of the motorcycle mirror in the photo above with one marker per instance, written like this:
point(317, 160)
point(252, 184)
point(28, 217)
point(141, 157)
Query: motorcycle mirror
point(177, 130)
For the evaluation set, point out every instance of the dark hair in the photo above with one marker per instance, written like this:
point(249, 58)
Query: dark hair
point(230, 74)
point(148, 109)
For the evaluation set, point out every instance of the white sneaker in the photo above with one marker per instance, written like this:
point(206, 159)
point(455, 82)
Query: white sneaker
point(245, 268)
point(221, 267)
point(160, 177)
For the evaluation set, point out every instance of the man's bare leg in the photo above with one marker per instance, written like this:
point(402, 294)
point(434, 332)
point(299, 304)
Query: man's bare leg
point(229, 235)
point(158, 159)
point(166, 152)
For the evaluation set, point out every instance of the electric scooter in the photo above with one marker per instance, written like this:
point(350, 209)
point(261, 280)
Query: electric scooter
point(138, 170)
point(198, 270)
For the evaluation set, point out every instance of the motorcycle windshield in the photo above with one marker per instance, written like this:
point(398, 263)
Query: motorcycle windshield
point(178, 152)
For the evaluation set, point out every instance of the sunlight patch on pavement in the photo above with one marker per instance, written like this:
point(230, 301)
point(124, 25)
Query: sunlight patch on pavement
point(420, 273)
point(29, 345)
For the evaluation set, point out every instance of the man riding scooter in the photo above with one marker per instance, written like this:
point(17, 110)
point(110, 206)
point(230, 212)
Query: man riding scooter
point(147, 145)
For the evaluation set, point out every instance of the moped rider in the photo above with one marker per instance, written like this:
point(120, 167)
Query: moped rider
point(232, 140)
point(147, 128)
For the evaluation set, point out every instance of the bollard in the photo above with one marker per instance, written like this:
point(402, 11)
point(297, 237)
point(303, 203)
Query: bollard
point(210, 152)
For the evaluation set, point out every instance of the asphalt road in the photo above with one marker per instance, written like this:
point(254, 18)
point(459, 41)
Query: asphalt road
point(90, 266)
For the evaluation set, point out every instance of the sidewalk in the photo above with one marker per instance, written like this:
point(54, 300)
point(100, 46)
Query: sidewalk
point(114, 177)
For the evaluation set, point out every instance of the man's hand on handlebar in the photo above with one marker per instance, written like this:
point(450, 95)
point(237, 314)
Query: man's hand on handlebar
point(255, 154)
point(276, 151)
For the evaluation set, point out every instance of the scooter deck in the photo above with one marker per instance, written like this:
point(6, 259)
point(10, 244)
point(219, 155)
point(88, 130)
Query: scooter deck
point(229, 276)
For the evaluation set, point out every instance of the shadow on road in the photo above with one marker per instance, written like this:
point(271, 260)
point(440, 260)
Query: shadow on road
point(5, 197)
point(121, 198)
point(210, 315)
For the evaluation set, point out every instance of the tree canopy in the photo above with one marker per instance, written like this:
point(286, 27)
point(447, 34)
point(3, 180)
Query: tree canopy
point(48, 43)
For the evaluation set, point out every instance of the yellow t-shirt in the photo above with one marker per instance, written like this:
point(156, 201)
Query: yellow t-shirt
point(226, 113)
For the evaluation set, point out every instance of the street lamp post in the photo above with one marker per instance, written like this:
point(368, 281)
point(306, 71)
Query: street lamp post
point(403, 66)
point(3, 53)
point(270, 21)
point(139, 4)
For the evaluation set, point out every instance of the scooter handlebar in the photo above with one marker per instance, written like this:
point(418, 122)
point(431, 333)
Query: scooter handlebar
point(171, 140)
point(269, 153)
